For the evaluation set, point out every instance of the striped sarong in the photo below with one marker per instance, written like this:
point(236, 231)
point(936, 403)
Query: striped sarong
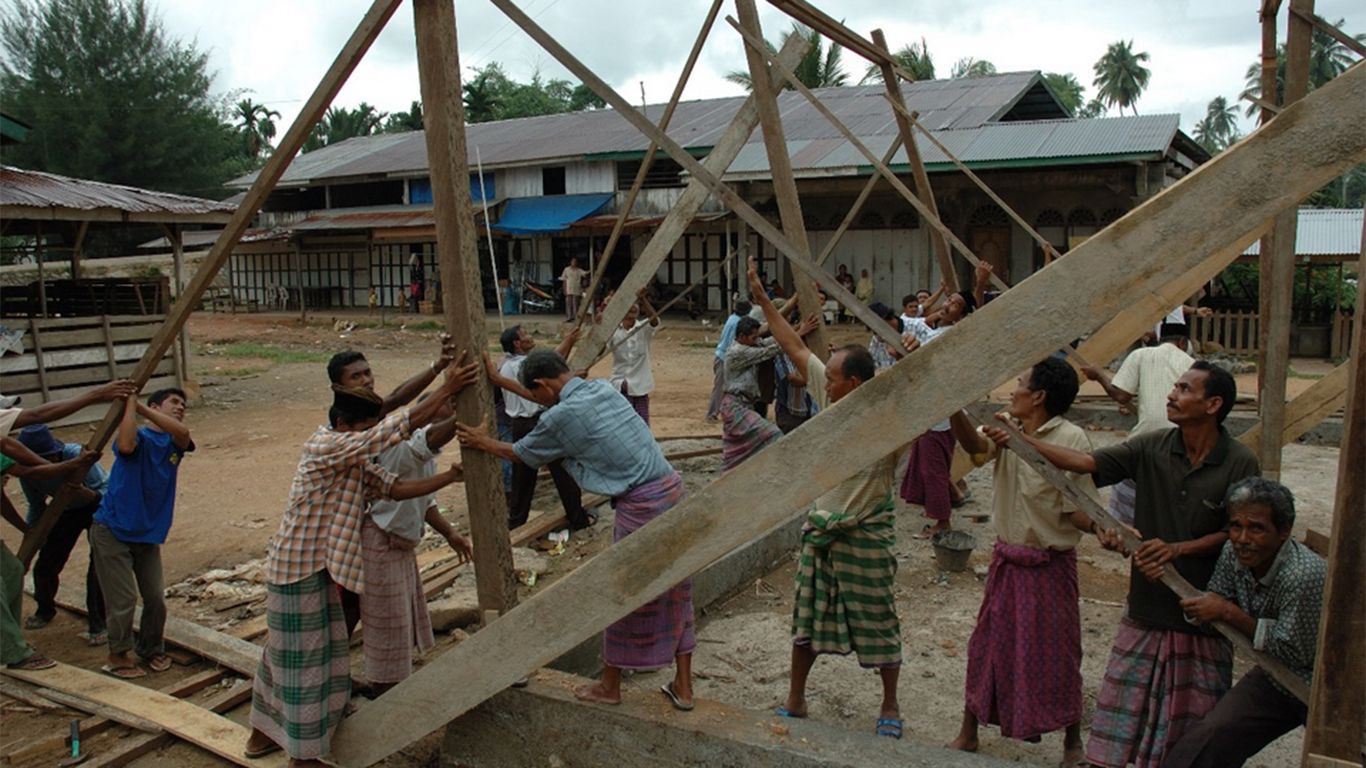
point(1123, 495)
point(845, 600)
point(743, 431)
point(927, 478)
point(639, 402)
point(653, 634)
point(1024, 657)
point(304, 680)
point(1157, 684)
point(393, 608)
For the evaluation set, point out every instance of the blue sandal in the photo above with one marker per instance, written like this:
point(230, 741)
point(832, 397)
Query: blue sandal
point(889, 726)
point(785, 712)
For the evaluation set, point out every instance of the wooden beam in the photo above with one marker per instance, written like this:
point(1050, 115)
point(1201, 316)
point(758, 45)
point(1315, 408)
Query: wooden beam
point(81, 229)
point(644, 170)
point(82, 704)
point(133, 747)
point(780, 170)
point(923, 191)
point(293, 140)
point(1267, 107)
point(1329, 29)
point(1306, 411)
point(457, 250)
point(187, 721)
point(1205, 211)
point(1337, 710)
point(676, 222)
point(855, 209)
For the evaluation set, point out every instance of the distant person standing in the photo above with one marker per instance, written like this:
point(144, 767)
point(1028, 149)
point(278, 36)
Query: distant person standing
point(864, 290)
point(723, 343)
point(845, 279)
point(631, 374)
point(572, 277)
point(417, 281)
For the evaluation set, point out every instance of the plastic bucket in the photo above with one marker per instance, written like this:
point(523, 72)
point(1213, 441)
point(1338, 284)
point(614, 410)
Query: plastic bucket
point(953, 549)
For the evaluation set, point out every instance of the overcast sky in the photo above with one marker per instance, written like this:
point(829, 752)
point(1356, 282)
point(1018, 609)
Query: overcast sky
point(278, 49)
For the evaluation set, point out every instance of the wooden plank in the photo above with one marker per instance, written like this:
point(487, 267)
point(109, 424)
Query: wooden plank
point(90, 337)
point(95, 321)
point(38, 360)
point(200, 727)
point(676, 222)
point(1315, 141)
point(1320, 761)
point(91, 375)
point(438, 66)
point(780, 172)
point(1308, 410)
point(1318, 542)
point(67, 358)
point(82, 704)
point(29, 696)
point(131, 748)
point(1329, 29)
point(109, 349)
point(290, 144)
point(1337, 710)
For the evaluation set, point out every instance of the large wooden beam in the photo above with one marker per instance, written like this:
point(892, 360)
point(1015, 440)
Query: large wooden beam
point(676, 222)
point(780, 169)
point(1306, 411)
point(457, 250)
point(293, 140)
point(1315, 141)
point(854, 209)
point(1337, 710)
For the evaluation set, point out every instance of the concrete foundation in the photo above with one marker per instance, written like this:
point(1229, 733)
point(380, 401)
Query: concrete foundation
point(544, 725)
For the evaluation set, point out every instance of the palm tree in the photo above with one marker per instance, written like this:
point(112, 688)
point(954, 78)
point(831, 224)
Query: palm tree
point(1121, 76)
point(1223, 121)
point(1328, 58)
point(400, 122)
point(819, 68)
point(1093, 109)
point(1069, 93)
point(970, 67)
point(256, 123)
point(914, 58)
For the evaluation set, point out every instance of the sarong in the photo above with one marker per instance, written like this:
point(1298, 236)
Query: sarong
point(639, 402)
point(304, 680)
point(845, 599)
point(1157, 684)
point(927, 478)
point(393, 608)
point(653, 634)
point(1024, 657)
point(1122, 497)
point(743, 432)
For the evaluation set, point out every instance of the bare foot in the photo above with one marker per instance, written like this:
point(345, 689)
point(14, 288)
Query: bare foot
point(597, 694)
point(963, 743)
point(1072, 756)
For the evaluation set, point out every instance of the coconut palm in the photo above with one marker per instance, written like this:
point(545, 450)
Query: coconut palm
point(819, 68)
point(1069, 93)
point(256, 123)
point(1094, 108)
point(970, 67)
point(914, 58)
point(1121, 76)
point(1328, 58)
point(1223, 121)
point(402, 121)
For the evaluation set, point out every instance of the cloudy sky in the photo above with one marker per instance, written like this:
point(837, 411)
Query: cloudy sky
point(278, 49)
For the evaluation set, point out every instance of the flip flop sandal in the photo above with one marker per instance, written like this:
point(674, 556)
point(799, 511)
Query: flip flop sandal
point(785, 712)
point(33, 663)
point(668, 690)
point(925, 534)
point(131, 672)
point(159, 663)
point(889, 726)
point(252, 754)
point(37, 622)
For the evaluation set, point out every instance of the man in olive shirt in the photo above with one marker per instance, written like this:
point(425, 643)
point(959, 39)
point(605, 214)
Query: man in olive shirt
point(1165, 673)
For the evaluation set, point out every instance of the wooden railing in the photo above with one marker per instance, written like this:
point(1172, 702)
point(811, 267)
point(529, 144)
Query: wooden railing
point(1234, 331)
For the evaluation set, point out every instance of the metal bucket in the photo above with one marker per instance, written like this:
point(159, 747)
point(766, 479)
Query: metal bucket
point(952, 550)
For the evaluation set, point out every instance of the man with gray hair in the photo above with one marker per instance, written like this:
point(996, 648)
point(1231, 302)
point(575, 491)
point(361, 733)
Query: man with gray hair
point(1269, 587)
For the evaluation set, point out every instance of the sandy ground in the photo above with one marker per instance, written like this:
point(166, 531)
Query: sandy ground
point(252, 414)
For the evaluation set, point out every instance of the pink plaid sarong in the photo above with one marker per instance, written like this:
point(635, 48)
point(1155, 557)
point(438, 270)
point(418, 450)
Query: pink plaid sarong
point(928, 474)
point(1024, 657)
point(393, 609)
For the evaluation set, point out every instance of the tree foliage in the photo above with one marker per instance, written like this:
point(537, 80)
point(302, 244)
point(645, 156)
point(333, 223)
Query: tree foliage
point(1218, 129)
point(821, 67)
point(1120, 76)
point(403, 121)
point(256, 124)
point(339, 124)
point(971, 67)
point(1328, 58)
point(112, 97)
point(492, 95)
point(914, 58)
point(1070, 93)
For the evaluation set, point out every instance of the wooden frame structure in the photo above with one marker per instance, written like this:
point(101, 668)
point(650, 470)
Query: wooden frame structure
point(1118, 278)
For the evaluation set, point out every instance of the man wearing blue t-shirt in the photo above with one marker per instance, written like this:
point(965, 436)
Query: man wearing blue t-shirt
point(131, 525)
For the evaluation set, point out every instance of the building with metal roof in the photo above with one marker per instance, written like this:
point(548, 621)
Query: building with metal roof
point(1324, 236)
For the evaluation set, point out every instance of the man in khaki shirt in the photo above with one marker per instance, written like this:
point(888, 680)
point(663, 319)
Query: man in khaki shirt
point(1024, 658)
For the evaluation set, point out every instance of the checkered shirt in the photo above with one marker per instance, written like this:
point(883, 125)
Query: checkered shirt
point(335, 481)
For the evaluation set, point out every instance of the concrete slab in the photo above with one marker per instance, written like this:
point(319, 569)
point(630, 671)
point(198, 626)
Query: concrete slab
point(544, 725)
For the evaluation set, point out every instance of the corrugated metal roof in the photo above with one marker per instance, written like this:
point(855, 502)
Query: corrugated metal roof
point(1324, 232)
point(45, 191)
point(942, 104)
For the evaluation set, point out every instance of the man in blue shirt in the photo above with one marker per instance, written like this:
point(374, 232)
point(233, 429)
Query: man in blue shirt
point(74, 521)
point(718, 369)
point(131, 525)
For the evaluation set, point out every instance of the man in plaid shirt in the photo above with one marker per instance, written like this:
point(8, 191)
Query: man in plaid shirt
point(304, 682)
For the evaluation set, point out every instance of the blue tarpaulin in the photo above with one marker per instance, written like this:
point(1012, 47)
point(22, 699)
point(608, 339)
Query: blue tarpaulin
point(543, 215)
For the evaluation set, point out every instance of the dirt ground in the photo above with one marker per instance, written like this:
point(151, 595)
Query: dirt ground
point(263, 390)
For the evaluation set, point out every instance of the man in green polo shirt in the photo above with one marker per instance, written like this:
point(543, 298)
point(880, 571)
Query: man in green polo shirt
point(1164, 673)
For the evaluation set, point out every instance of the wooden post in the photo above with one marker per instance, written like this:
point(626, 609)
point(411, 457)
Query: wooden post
point(922, 180)
point(1337, 710)
point(780, 170)
point(1263, 173)
point(312, 111)
point(76, 246)
point(38, 357)
point(178, 263)
point(109, 347)
point(438, 66)
point(42, 278)
point(297, 258)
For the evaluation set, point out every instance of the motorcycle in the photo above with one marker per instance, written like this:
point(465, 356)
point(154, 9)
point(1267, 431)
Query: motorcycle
point(537, 298)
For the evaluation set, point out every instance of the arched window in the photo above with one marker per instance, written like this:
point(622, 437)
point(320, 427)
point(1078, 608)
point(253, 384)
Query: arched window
point(988, 216)
point(905, 219)
point(1081, 224)
point(1110, 216)
point(870, 220)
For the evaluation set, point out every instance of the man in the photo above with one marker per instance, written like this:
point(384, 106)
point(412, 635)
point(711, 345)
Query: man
point(1269, 587)
point(75, 520)
point(523, 414)
point(845, 592)
point(727, 337)
point(1165, 673)
point(1146, 375)
point(846, 280)
point(744, 431)
point(304, 681)
point(131, 524)
point(793, 405)
point(631, 374)
point(591, 428)
point(572, 277)
point(883, 355)
point(1024, 657)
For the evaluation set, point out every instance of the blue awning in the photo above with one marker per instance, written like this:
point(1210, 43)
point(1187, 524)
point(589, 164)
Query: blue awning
point(543, 215)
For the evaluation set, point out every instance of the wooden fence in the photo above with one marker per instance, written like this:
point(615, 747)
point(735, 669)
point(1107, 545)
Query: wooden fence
point(89, 297)
point(1340, 342)
point(1235, 332)
point(64, 357)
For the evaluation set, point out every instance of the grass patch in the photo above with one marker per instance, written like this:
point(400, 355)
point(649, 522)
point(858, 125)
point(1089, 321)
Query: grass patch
point(272, 353)
point(1294, 374)
point(700, 344)
point(238, 373)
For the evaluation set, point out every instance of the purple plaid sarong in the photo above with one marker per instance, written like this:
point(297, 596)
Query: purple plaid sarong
point(639, 402)
point(743, 431)
point(928, 474)
point(1157, 684)
point(652, 635)
point(1024, 657)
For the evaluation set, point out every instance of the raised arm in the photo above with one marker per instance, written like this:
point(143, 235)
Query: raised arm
point(781, 330)
point(966, 434)
point(456, 378)
point(180, 434)
point(34, 467)
point(479, 439)
point(567, 344)
point(981, 278)
point(1103, 377)
point(60, 409)
point(936, 296)
point(648, 308)
point(415, 487)
point(414, 386)
point(497, 379)
point(127, 440)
